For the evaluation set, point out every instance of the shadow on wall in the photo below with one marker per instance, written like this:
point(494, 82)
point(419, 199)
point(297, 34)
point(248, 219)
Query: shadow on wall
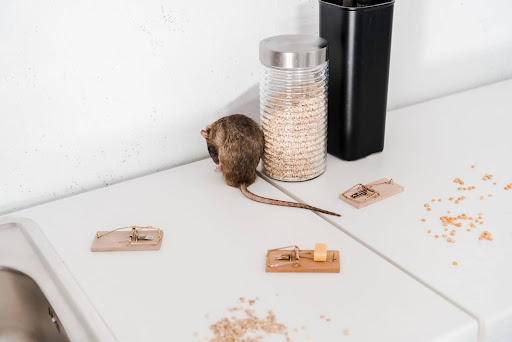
point(306, 22)
point(430, 61)
point(248, 104)
point(406, 45)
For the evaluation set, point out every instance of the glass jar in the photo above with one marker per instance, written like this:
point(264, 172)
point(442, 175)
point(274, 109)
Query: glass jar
point(293, 106)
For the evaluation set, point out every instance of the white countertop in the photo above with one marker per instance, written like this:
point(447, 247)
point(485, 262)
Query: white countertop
point(214, 252)
point(427, 146)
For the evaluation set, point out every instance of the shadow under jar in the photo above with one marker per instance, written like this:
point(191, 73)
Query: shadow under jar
point(293, 106)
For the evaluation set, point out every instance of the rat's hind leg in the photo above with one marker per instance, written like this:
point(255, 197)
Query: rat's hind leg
point(218, 168)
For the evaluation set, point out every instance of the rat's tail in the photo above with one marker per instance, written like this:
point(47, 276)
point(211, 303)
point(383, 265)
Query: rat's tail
point(260, 199)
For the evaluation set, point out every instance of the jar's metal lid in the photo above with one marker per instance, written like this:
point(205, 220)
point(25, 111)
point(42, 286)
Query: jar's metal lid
point(293, 51)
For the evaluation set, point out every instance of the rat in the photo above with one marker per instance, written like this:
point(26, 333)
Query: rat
point(235, 143)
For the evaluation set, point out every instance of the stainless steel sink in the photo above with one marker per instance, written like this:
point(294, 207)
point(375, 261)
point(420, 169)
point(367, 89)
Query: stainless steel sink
point(25, 313)
point(39, 298)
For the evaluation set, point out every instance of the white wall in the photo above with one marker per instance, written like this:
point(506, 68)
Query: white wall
point(94, 92)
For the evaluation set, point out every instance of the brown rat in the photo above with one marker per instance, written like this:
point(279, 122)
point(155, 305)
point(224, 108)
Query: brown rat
point(236, 143)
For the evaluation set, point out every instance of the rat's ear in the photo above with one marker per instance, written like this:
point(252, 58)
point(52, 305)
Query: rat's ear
point(204, 134)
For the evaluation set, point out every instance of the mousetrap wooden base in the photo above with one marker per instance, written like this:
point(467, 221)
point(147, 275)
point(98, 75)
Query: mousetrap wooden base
point(282, 260)
point(112, 241)
point(360, 195)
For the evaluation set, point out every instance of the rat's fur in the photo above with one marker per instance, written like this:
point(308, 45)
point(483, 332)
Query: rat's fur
point(236, 143)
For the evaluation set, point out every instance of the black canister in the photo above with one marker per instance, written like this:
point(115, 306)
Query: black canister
point(359, 36)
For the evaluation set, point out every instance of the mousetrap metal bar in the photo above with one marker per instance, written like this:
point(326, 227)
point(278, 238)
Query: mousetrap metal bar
point(293, 259)
point(360, 191)
point(362, 195)
point(132, 238)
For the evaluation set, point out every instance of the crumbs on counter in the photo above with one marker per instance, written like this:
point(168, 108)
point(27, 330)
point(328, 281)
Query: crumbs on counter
point(487, 177)
point(246, 326)
point(242, 324)
point(486, 235)
point(459, 220)
point(458, 180)
point(235, 330)
point(463, 220)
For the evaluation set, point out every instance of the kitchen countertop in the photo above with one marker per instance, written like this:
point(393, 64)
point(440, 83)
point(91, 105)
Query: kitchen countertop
point(213, 253)
point(427, 146)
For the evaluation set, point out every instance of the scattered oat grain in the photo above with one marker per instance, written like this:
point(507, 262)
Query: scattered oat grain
point(486, 235)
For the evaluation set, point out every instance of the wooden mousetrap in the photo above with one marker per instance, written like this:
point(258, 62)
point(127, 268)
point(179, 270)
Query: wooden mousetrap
point(361, 195)
point(293, 259)
point(135, 239)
